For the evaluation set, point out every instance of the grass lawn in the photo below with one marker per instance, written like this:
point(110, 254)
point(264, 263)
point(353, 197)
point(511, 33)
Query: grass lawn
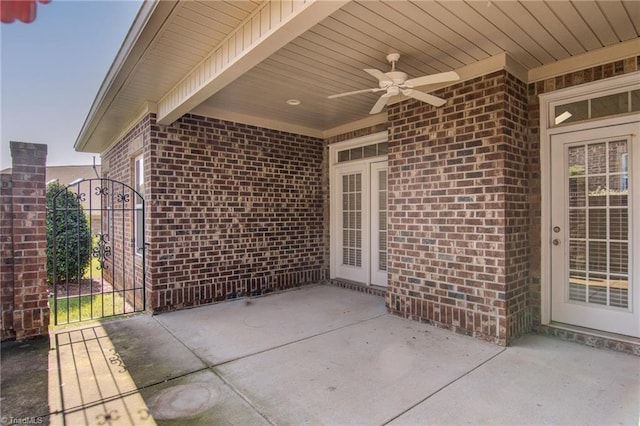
point(78, 308)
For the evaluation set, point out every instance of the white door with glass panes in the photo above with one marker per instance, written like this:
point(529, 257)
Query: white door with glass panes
point(359, 222)
point(595, 235)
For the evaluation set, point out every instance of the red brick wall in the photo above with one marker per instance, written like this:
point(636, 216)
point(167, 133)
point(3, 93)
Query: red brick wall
point(6, 256)
point(514, 124)
point(458, 231)
point(232, 210)
point(117, 165)
point(25, 308)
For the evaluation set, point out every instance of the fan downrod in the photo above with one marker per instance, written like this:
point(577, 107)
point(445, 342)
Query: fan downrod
point(392, 58)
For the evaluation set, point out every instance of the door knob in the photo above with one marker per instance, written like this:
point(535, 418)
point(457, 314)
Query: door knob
point(556, 242)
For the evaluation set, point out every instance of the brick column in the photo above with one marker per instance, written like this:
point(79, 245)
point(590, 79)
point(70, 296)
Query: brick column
point(6, 256)
point(30, 304)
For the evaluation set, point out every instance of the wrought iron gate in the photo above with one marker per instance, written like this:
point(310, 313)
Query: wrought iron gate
point(95, 250)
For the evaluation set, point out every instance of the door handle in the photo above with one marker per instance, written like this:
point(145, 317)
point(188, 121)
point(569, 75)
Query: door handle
point(556, 242)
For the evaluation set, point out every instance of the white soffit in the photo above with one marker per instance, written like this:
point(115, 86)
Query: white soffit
point(267, 29)
point(245, 59)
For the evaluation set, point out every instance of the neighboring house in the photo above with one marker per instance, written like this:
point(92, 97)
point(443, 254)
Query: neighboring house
point(507, 209)
point(70, 176)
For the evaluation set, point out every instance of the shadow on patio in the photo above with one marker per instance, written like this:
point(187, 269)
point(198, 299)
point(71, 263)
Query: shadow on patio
point(326, 355)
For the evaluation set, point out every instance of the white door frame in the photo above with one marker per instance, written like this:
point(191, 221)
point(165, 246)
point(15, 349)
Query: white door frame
point(547, 130)
point(353, 273)
point(334, 206)
point(595, 316)
point(377, 276)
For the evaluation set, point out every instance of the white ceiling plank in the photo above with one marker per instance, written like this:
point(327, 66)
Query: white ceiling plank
point(430, 44)
point(457, 25)
point(337, 53)
point(412, 62)
point(405, 41)
point(530, 24)
point(437, 47)
point(191, 39)
point(540, 11)
point(624, 29)
point(177, 61)
point(567, 13)
point(318, 74)
point(176, 102)
point(297, 80)
point(198, 31)
point(510, 30)
point(307, 117)
point(491, 30)
point(335, 79)
point(175, 48)
point(228, 8)
point(374, 49)
point(443, 32)
point(214, 10)
point(632, 7)
point(592, 13)
point(260, 85)
point(247, 6)
point(208, 21)
point(346, 81)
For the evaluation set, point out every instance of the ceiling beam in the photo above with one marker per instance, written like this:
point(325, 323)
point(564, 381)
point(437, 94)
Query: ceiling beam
point(270, 27)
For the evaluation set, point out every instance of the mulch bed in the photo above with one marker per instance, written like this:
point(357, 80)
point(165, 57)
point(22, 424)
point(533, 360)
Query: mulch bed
point(85, 287)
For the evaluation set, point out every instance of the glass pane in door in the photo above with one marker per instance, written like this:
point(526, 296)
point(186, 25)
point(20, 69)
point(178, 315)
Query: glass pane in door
point(382, 222)
point(598, 219)
point(352, 219)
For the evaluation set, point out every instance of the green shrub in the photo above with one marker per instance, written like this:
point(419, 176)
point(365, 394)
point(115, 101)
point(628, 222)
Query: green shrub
point(72, 232)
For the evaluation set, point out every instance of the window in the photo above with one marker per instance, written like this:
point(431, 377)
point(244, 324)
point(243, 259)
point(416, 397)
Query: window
point(597, 107)
point(360, 152)
point(138, 206)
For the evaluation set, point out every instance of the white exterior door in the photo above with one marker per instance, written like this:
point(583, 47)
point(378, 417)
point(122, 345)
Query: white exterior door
point(595, 235)
point(359, 222)
point(379, 223)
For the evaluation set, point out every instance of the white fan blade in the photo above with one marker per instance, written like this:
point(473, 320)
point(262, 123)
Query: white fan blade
point(432, 79)
point(382, 102)
point(355, 92)
point(424, 97)
point(379, 75)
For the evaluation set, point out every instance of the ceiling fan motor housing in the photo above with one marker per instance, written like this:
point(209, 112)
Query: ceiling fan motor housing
point(393, 90)
point(398, 78)
point(395, 82)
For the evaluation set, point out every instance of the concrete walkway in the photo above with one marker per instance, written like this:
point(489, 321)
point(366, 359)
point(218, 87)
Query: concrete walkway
point(327, 356)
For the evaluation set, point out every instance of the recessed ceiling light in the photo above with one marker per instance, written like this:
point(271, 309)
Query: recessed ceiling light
point(294, 102)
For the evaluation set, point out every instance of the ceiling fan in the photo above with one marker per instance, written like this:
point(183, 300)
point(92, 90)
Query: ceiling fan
point(394, 83)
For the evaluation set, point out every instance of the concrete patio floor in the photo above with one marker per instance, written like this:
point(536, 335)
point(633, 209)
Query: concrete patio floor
point(326, 355)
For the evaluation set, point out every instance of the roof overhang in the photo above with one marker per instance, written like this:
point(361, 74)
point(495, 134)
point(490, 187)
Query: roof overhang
point(241, 60)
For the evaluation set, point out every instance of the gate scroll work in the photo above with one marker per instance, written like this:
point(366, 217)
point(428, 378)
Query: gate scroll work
point(113, 283)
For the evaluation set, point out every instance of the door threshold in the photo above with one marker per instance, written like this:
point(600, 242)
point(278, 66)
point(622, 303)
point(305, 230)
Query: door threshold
point(363, 288)
point(591, 337)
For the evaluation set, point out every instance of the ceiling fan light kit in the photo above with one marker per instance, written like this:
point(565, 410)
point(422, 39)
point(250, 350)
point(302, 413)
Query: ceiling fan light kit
point(395, 82)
